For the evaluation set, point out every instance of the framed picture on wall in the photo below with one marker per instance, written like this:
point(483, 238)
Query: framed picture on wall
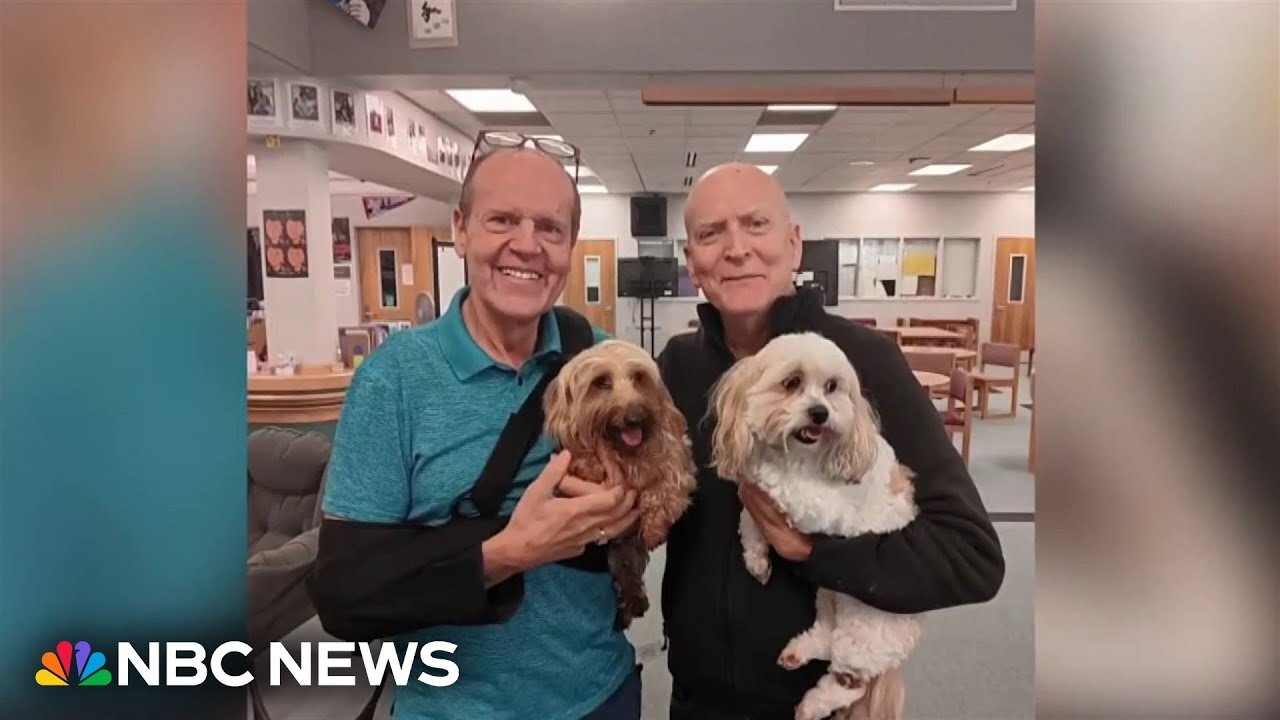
point(346, 114)
point(373, 105)
point(263, 102)
point(285, 245)
point(304, 105)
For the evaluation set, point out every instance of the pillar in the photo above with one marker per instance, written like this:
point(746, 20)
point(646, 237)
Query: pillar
point(301, 313)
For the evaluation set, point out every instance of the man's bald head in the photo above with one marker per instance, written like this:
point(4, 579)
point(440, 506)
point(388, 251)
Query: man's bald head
point(736, 177)
point(742, 248)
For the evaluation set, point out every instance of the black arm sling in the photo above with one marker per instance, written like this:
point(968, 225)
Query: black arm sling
point(378, 580)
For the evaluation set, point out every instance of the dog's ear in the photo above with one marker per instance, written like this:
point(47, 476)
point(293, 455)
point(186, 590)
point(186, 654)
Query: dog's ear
point(854, 455)
point(557, 402)
point(731, 441)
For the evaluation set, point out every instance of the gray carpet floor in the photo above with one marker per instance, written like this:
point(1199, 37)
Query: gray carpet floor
point(973, 663)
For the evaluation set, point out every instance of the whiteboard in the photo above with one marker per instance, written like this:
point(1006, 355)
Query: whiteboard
point(451, 274)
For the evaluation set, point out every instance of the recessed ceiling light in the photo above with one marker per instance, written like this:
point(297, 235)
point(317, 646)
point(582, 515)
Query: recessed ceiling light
point(1007, 143)
point(893, 187)
point(775, 142)
point(861, 163)
point(592, 189)
point(498, 100)
point(1029, 188)
point(800, 108)
point(939, 169)
point(583, 171)
point(767, 169)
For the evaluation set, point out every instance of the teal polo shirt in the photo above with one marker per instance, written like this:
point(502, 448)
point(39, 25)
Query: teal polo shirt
point(422, 414)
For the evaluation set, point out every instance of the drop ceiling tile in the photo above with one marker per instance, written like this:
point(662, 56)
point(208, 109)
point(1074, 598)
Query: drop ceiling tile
point(725, 115)
point(731, 145)
point(571, 101)
point(642, 145)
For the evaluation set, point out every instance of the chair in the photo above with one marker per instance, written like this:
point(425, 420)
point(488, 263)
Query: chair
point(1031, 449)
point(958, 417)
point(1000, 355)
point(286, 480)
point(941, 363)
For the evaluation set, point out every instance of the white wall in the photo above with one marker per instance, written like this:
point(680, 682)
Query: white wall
point(822, 215)
point(420, 211)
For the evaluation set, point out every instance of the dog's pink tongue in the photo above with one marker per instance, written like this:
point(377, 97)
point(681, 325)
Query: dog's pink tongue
point(633, 436)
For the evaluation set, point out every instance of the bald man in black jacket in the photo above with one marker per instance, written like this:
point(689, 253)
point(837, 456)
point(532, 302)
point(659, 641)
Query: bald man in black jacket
point(725, 629)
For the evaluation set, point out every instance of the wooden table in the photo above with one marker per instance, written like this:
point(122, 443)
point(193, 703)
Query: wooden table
point(964, 358)
point(907, 335)
point(931, 380)
point(311, 397)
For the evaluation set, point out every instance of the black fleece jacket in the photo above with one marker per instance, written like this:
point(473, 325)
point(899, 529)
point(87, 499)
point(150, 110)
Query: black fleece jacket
point(725, 630)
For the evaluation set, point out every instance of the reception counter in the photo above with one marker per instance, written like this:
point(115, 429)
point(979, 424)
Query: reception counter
point(312, 396)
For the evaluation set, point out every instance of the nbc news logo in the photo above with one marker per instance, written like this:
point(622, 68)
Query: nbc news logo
point(90, 666)
point(330, 659)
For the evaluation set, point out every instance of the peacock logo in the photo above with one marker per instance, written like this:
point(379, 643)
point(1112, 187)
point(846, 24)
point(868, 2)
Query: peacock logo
point(90, 666)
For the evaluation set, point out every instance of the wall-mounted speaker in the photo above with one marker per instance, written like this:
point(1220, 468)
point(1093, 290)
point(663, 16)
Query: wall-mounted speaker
point(648, 216)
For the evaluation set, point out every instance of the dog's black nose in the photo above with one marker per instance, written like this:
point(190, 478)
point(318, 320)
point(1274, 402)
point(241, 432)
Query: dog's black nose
point(634, 417)
point(818, 414)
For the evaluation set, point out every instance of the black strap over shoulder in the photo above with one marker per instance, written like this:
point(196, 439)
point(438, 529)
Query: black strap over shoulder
point(525, 425)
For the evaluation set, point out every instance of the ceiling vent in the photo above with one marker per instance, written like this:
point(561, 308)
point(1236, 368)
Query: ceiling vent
point(691, 159)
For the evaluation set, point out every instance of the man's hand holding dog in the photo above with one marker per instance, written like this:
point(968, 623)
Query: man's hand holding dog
point(788, 542)
point(556, 518)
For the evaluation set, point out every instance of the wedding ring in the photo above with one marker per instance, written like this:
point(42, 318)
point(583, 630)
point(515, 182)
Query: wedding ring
point(602, 539)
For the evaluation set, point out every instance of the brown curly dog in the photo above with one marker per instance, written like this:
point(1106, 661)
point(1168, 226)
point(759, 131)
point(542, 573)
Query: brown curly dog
point(609, 409)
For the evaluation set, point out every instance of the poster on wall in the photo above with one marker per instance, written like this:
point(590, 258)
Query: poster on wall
point(342, 240)
point(374, 106)
point(286, 243)
point(263, 109)
point(377, 205)
point(342, 272)
point(344, 113)
point(304, 103)
point(365, 12)
point(431, 24)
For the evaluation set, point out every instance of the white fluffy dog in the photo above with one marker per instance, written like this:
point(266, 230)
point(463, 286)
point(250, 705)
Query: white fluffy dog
point(792, 420)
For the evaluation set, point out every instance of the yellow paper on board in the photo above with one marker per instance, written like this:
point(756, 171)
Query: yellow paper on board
point(918, 264)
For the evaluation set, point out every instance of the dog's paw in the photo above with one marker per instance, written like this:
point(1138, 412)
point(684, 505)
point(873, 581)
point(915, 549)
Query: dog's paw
point(790, 659)
point(759, 567)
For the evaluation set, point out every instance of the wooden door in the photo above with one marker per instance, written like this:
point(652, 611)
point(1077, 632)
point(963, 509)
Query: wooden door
point(592, 288)
point(383, 293)
point(1013, 307)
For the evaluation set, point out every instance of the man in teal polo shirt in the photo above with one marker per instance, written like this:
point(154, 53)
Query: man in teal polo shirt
point(421, 417)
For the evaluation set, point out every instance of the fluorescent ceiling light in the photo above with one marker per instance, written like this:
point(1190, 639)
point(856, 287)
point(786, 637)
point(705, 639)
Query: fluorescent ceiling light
point(861, 163)
point(939, 169)
point(583, 171)
point(1007, 143)
point(592, 189)
point(767, 169)
point(800, 108)
point(492, 101)
point(892, 187)
point(775, 142)
point(1029, 188)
